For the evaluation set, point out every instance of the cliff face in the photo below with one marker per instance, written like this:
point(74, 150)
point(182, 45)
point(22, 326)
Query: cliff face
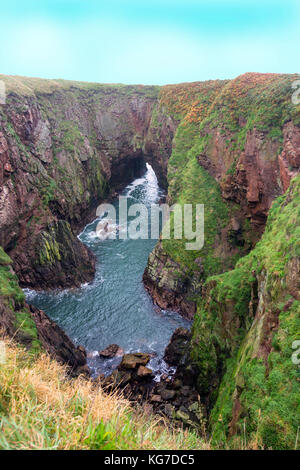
point(233, 146)
point(63, 148)
point(31, 326)
point(238, 156)
point(235, 150)
point(246, 324)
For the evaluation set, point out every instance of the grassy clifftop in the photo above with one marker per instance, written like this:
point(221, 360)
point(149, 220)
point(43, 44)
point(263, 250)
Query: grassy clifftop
point(30, 86)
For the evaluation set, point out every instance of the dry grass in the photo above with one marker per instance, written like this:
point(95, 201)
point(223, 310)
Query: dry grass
point(29, 86)
point(41, 408)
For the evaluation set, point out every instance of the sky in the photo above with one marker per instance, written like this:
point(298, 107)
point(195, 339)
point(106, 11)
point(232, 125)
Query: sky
point(148, 42)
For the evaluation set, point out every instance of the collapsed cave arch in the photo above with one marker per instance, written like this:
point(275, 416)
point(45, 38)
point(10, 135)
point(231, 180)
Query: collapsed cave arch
point(126, 170)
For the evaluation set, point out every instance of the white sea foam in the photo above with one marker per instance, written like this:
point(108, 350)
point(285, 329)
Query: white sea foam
point(131, 187)
point(152, 188)
point(29, 293)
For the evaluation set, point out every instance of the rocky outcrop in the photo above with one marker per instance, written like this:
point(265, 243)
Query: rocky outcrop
point(178, 347)
point(58, 344)
point(247, 307)
point(132, 376)
point(31, 327)
point(168, 285)
point(230, 145)
point(56, 259)
point(64, 148)
point(174, 397)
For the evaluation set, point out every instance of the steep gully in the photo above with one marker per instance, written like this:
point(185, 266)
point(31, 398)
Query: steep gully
point(62, 152)
point(65, 149)
point(114, 307)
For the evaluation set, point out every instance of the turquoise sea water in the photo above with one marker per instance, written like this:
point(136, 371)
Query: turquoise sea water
point(115, 307)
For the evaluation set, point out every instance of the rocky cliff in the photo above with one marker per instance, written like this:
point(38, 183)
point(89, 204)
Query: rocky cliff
point(64, 147)
point(31, 326)
point(239, 155)
point(233, 146)
point(235, 150)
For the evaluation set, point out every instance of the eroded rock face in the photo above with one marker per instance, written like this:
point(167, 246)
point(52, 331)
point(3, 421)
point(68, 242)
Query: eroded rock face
point(178, 347)
point(169, 285)
point(256, 182)
point(62, 151)
point(132, 376)
point(58, 344)
point(49, 334)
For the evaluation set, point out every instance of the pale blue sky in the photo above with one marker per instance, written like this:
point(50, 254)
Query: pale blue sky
point(150, 42)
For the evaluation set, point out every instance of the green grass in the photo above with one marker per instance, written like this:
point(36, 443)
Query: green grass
point(227, 338)
point(9, 287)
point(30, 86)
point(13, 298)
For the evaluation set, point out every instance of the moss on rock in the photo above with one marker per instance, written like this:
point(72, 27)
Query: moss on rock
point(15, 318)
point(245, 326)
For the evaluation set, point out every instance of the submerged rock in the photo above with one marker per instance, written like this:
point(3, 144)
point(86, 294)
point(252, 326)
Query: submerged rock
point(113, 350)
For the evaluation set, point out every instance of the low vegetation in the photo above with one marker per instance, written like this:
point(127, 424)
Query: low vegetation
point(245, 326)
point(42, 408)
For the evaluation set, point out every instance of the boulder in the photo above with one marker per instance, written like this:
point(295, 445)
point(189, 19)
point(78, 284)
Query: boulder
point(113, 350)
point(144, 372)
point(156, 399)
point(133, 360)
point(167, 394)
point(183, 416)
